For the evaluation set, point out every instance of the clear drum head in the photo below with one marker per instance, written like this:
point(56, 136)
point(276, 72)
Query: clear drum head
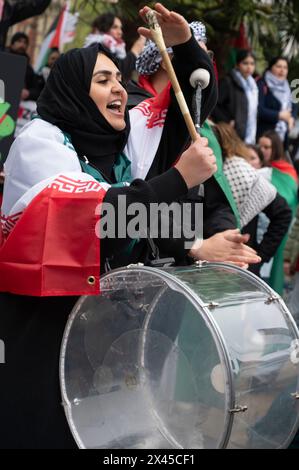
point(139, 365)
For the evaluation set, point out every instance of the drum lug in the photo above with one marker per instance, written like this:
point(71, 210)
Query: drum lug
point(200, 264)
point(211, 305)
point(273, 298)
point(239, 409)
point(136, 265)
point(295, 395)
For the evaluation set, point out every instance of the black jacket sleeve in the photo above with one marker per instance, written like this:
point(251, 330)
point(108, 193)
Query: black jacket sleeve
point(217, 214)
point(205, 215)
point(165, 188)
point(280, 216)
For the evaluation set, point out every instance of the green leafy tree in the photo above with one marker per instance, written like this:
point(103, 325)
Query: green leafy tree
point(272, 25)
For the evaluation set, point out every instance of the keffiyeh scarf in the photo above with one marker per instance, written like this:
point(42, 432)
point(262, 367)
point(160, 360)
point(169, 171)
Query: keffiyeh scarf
point(117, 48)
point(252, 192)
point(149, 60)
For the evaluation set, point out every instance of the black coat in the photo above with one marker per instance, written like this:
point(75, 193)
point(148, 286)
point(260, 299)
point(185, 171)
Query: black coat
point(269, 109)
point(232, 104)
point(32, 414)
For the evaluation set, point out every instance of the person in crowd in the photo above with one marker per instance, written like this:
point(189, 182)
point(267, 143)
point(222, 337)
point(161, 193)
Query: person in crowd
point(282, 174)
point(255, 156)
point(107, 30)
point(61, 170)
point(13, 12)
point(54, 54)
point(238, 98)
point(32, 88)
point(276, 111)
point(253, 194)
point(219, 209)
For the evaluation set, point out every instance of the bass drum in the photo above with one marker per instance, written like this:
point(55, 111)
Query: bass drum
point(191, 358)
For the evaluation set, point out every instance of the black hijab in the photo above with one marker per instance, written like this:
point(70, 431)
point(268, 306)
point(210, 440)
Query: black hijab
point(65, 102)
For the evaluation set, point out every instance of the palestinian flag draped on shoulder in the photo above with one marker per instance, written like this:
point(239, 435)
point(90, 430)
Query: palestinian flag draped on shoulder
point(284, 178)
point(61, 32)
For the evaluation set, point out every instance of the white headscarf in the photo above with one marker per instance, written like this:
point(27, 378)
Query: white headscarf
point(282, 92)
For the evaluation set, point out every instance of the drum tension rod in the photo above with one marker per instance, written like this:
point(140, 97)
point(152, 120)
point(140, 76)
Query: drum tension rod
point(239, 409)
point(295, 395)
point(211, 305)
point(200, 264)
point(273, 298)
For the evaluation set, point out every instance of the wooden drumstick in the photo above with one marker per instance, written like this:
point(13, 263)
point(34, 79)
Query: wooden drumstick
point(159, 40)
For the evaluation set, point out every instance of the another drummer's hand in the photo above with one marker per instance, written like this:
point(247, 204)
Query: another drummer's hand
point(236, 236)
point(226, 247)
point(197, 163)
point(174, 27)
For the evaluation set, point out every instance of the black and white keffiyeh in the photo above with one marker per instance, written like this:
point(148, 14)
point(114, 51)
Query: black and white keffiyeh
point(251, 191)
point(118, 48)
point(149, 60)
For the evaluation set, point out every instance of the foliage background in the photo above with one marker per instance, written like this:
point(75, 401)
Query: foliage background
point(272, 25)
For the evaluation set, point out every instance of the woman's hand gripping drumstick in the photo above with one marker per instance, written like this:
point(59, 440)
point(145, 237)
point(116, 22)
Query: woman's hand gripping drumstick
point(176, 31)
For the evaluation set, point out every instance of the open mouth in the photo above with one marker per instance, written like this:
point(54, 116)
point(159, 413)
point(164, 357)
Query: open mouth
point(115, 107)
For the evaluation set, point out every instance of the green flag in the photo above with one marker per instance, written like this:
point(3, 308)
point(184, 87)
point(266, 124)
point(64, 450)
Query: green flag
point(207, 132)
point(284, 182)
